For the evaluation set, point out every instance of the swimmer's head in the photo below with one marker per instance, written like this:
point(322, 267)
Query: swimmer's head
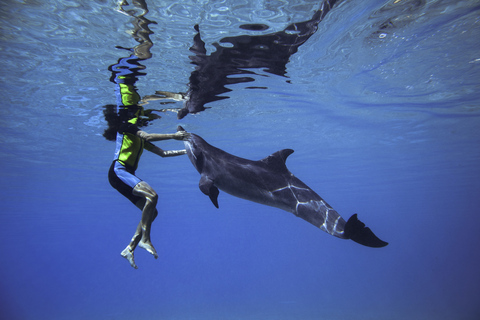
point(113, 121)
point(134, 114)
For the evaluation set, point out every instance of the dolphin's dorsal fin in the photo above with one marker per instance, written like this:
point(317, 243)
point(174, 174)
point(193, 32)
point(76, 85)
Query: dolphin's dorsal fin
point(276, 161)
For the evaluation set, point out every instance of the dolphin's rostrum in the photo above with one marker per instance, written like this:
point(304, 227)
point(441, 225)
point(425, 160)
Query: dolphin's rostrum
point(269, 182)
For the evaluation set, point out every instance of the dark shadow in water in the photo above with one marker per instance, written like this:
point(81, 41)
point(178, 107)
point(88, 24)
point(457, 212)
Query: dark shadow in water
point(271, 52)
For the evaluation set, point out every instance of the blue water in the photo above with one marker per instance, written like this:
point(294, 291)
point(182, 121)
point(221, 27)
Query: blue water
point(382, 107)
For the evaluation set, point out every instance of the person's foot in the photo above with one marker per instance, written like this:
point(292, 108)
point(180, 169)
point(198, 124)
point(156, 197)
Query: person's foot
point(147, 245)
point(127, 253)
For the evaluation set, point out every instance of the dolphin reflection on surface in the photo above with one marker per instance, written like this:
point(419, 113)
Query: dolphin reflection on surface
point(270, 52)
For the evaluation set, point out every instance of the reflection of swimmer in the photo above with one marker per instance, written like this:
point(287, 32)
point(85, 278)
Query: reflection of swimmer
point(141, 31)
point(124, 127)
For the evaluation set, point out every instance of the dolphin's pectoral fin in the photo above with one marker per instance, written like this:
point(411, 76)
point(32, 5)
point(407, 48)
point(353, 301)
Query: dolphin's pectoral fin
point(356, 230)
point(205, 184)
point(214, 195)
point(207, 187)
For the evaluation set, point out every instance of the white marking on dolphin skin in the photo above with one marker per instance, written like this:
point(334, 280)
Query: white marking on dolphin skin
point(335, 226)
point(329, 218)
point(289, 186)
point(324, 225)
point(189, 146)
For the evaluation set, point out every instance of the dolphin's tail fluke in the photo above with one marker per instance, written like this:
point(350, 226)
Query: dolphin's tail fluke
point(356, 230)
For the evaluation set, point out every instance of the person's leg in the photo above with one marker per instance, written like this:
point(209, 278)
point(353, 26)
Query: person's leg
point(127, 253)
point(124, 182)
point(142, 235)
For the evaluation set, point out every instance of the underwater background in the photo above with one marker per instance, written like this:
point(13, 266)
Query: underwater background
point(381, 105)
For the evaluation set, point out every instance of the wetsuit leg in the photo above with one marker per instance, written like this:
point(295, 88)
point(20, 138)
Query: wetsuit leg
point(123, 181)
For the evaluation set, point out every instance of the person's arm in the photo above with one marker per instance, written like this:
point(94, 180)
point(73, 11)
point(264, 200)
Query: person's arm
point(161, 136)
point(158, 137)
point(166, 153)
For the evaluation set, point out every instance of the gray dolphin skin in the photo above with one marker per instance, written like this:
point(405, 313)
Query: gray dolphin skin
point(269, 182)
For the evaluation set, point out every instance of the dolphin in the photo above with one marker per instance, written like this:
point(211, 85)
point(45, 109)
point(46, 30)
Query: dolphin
point(269, 182)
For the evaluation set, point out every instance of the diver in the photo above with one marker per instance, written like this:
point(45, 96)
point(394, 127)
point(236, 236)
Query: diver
point(124, 122)
point(124, 127)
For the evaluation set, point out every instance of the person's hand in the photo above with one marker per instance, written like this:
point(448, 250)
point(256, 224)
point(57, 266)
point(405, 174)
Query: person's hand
point(181, 135)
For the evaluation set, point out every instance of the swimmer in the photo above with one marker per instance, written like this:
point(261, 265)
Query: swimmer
point(130, 143)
